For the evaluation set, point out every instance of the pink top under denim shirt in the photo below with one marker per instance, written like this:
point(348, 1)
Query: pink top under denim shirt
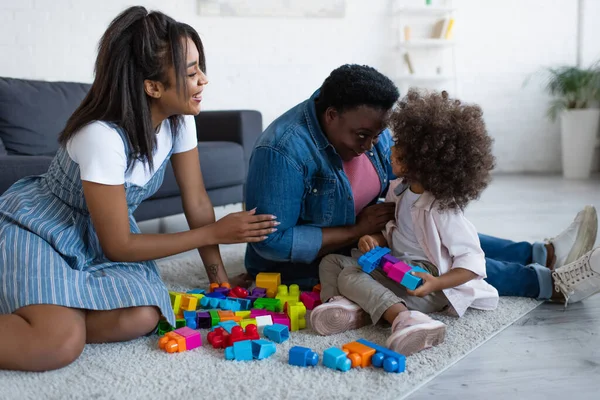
point(449, 241)
point(364, 181)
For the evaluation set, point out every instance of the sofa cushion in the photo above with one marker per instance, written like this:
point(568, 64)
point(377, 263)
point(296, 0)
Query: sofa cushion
point(33, 113)
point(222, 165)
point(13, 168)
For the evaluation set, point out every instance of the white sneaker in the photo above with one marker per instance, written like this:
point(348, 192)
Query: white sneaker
point(579, 237)
point(579, 279)
point(338, 315)
point(413, 331)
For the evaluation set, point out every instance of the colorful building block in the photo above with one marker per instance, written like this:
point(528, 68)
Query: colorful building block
point(163, 328)
point(196, 291)
point(297, 314)
point(215, 295)
point(215, 287)
point(277, 333)
point(412, 282)
point(179, 322)
point(228, 315)
point(217, 338)
point(188, 303)
point(243, 304)
point(191, 319)
point(227, 325)
point(269, 281)
point(247, 321)
point(238, 292)
point(239, 351)
point(209, 302)
point(262, 349)
point(388, 359)
point(335, 358)
point(317, 288)
point(268, 304)
point(288, 295)
point(282, 319)
point(359, 354)
point(180, 340)
point(238, 334)
point(303, 357)
point(262, 321)
point(203, 320)
point(243, 314)
point(370, 260)
point(310, 299)
point(214, 317)
point(175, 301)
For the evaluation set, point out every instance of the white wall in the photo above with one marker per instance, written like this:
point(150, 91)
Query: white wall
point(271, 64)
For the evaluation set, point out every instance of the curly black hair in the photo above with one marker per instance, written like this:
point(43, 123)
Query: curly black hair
point(444, 146)
point(352, 85)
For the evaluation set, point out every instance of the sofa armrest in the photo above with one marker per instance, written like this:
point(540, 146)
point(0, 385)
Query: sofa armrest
point(239, 126)
point(13, 168)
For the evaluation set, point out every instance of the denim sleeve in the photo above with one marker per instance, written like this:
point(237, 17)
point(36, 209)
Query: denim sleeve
point(275, 185)
point(385, 145)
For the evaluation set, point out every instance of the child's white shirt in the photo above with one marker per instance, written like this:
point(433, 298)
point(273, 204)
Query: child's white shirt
point(404, 242)
point(99, 151)
point(449, 241)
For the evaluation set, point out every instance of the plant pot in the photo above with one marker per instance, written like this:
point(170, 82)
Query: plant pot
point(578, 136)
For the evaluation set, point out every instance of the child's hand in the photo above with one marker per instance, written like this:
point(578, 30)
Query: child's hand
point(430, 284)
point(367, 243)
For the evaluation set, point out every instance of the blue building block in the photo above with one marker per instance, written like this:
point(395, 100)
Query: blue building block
point(262, 349)
point(244, 304)
point(196, 291)
point(190, 319)
point(240, 351)
point(228, 305)
point(410, 281)
point(335, 358)
point(370, 260)
point(278, 333)
point(227, 325)
point(215, 295)
point(386, 358)
point(303, 357)
point(209, 302)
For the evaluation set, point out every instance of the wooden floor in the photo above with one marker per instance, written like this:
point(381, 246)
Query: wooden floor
point(551, 353)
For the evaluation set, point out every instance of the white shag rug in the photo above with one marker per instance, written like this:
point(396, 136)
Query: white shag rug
point(139, 370)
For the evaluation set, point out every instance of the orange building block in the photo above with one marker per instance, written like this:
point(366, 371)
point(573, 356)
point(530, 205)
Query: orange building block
point(269, 281)
point(228, 316)
point(172, 343)
point(359, 354)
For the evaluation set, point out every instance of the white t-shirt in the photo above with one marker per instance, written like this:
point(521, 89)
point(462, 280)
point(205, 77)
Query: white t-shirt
point(100, 152)
point(404, 240)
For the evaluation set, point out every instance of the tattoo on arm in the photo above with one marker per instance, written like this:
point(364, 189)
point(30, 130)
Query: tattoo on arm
point(212, 271)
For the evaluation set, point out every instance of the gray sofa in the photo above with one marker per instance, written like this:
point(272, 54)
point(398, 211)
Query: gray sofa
point(32, 114)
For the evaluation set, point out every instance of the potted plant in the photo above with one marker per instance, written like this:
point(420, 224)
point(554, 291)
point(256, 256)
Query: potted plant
point(576, 93)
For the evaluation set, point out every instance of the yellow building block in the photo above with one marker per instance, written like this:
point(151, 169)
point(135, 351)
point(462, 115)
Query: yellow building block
point(269, 281)
point(189, 303)
point(297, 313)
point(245, 322)
point(287, 295)
point(242, 314)
point(175, 301)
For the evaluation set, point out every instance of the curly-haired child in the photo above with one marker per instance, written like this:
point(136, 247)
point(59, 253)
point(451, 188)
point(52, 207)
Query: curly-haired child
point(442, 156)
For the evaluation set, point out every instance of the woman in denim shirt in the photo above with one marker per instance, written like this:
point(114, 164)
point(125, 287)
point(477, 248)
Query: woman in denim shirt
point(321, 167)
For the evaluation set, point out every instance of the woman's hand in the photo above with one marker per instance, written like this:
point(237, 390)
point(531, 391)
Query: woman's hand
point(243, 227)
point(373, 218)
point(367, 243)
point(430, 284)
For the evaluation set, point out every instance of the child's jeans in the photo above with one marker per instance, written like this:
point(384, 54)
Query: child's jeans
point(374, 293)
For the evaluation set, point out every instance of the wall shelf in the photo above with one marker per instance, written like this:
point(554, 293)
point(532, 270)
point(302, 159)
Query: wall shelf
point(424, 10)
point(425, 43)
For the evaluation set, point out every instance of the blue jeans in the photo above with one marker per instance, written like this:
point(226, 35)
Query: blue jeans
point(517, 268)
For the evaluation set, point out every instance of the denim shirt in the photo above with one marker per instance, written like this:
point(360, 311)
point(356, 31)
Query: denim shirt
point(296, 175)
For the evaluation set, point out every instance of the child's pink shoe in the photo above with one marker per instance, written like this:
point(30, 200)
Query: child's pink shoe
point(337, 315)
point(413, 331)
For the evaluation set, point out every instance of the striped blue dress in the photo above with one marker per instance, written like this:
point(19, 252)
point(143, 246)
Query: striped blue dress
point(50, 253)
